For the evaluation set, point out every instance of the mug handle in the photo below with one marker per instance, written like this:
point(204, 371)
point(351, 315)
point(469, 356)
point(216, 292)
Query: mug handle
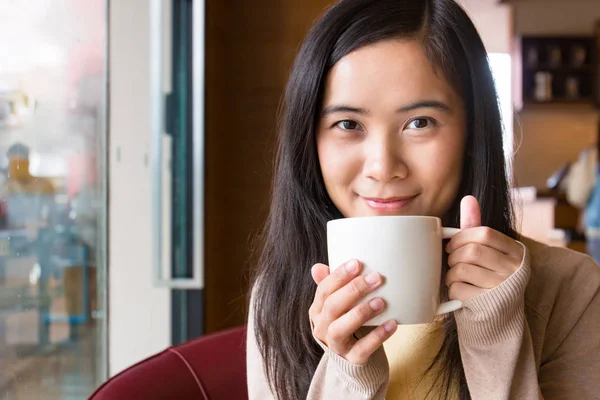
point(451, 305)
point(448, 233)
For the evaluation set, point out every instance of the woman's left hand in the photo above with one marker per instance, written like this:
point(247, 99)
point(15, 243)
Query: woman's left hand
point(480, 258)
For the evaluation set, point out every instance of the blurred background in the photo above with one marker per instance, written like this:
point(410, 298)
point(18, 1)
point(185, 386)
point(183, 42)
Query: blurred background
point(136, 145)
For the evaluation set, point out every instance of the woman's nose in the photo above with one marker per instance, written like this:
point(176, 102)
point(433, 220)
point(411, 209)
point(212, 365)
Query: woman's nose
point(383, 161)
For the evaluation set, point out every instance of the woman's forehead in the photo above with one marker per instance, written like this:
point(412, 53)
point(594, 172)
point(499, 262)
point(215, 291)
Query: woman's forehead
point(391, 71)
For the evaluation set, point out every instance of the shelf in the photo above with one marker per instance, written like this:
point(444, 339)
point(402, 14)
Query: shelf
point(560, 101)
point(575, 106)
point(563, 68)
point(570, 50)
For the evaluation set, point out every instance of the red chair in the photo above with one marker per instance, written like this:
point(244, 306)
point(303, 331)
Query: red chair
point(212, 367)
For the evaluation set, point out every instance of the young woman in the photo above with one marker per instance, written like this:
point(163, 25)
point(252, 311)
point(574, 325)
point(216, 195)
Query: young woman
point(391, 109)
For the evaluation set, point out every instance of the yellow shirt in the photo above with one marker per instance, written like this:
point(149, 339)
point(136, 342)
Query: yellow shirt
point(410, 352)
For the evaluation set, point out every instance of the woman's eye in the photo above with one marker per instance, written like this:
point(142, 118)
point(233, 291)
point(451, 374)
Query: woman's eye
point(420, 123)
point(349, 125)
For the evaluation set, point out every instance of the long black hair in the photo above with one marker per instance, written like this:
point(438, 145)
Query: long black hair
point(295, 234)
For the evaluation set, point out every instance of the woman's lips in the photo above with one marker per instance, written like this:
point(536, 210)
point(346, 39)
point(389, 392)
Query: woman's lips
point(388, 204)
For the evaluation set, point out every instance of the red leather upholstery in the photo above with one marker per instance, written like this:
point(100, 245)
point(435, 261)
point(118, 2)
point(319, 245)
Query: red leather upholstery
point(212, 367)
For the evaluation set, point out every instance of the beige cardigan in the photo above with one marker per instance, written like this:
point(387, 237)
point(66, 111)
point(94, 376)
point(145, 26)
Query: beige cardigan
point(536, 336)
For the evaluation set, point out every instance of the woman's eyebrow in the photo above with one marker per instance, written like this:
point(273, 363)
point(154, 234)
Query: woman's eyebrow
point(438, 105)
point(342, 108)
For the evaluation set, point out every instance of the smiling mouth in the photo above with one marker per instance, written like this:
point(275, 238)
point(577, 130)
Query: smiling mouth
point(388, 204)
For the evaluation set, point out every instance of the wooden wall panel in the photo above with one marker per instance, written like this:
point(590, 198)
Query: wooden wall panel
point(250, 48)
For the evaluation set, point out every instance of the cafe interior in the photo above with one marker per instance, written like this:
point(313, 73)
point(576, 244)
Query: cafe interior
point(120, 240)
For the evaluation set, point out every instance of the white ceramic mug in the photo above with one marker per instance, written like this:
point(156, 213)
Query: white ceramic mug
point(406, 251)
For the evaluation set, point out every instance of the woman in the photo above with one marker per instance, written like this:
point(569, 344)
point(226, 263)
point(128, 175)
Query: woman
point(391, 109)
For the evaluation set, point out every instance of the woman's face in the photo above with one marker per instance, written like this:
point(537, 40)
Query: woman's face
point(391, 136)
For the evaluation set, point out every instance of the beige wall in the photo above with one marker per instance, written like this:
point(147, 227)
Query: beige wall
point(549, 138)
point(493, 21)
point(540, 17)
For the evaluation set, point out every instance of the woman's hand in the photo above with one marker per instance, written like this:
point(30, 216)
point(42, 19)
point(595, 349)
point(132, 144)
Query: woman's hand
point(334, 317)
point(480, 258)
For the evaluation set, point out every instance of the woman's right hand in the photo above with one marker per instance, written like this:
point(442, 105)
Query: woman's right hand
point(335, 320)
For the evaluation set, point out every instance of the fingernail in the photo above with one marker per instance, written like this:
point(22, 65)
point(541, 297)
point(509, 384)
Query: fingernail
point(376, 304)
point(372, 278)
point(352, 266)
point(389, 326)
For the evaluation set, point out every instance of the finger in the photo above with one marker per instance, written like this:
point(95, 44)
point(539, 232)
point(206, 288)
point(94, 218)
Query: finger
point(365, 347)
point(340, 333)
point(485, 236)
point(474, 275)
point(332, 282)
point(463, 291)
point(482, 256)
point(319, 272)
point(470, 213)
point(339, 302)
